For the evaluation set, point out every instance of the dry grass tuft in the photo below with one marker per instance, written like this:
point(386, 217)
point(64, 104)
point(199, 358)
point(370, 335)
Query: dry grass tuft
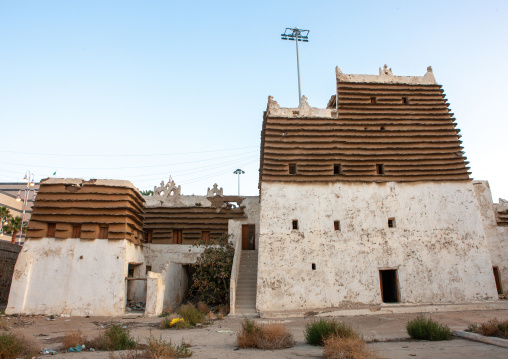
point(269, 336)
point(73, 339)
point(274, 336)
point(492, 328)
point(4, 323)
point(17, 345)
point(346, 348)
point(220, 316)
point(166, 311)
point(156, 349)
point(203, 308)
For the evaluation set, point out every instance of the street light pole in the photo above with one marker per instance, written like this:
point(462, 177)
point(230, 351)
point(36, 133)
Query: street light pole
point(29, 178)
point(239, 172)
point(296, 34)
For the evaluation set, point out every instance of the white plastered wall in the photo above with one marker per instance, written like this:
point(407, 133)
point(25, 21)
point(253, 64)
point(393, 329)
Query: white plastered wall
point(438, 246)
point(252, 212)
point(72, 276)
point(497, 237)
point(158, 255)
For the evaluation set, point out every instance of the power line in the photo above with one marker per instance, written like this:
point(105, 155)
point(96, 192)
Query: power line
point(124, 155)
point(119, 168)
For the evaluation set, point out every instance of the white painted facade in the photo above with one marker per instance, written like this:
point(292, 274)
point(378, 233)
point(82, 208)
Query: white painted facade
point(497, 236)
point(438, 245)
point(73, 276)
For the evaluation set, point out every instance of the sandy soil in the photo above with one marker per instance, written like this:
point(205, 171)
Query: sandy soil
point(386, 334)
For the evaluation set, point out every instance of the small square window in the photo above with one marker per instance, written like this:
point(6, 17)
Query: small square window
point(148, 269)
point(103, 232)
point(336, 225)
point(292, 168)
point(336, 169)
point(380, 169)
point(205, 237)
point(51, 230)
point(295, 224)
point(391, 222)
point(76, 231)
point(373, 100)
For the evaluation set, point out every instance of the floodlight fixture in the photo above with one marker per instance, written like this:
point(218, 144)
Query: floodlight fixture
point(296, 34)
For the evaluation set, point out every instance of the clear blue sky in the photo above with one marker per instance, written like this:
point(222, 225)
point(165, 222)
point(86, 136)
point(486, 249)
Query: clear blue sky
point(139, 90)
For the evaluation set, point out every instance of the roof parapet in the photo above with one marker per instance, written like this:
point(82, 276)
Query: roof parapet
point(273, 109)
point(386, 76)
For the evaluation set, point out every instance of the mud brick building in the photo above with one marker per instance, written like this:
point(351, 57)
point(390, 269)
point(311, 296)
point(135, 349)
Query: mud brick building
point(369, 201)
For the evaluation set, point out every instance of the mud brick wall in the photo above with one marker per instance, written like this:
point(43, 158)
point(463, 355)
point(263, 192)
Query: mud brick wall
point(8, 256)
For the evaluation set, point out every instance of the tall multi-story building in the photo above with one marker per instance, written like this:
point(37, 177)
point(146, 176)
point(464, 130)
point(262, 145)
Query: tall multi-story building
point(369, 201)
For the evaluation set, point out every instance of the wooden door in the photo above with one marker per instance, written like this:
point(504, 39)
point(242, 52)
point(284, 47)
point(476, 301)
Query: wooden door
point(248, 237)
point(177, 236)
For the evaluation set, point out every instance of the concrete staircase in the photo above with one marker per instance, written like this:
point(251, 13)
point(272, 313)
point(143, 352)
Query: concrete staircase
point(247, 284)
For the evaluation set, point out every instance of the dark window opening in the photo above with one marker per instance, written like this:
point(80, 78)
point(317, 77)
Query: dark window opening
point(404, 100)
point(130, 272)
point(389, 287)
point(295, 224)
point(148, 269)
point(498, 280)
point(382, 128)
point(380, 169)
point(313, 266)
point(336, 225)
point(205, 237)
point(103, 232)
point(372, 100)
point(51, 230)
point(391, 222)
point(147, 235)
point(76, 231)
point(336, 169)
point(292, 169)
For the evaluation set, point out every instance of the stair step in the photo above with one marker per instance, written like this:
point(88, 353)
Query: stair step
point(246, 295)
point(249, 300)
point(250, 291)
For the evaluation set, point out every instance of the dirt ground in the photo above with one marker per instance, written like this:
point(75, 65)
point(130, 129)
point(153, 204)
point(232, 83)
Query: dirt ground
point(386, 335)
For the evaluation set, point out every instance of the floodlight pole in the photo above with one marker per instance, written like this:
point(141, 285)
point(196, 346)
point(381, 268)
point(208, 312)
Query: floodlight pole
point(298, 68)
point(296, 34)
point(239, 172)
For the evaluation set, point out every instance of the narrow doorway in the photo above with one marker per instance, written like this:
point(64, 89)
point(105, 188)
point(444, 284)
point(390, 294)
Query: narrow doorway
point(389, 287)
point(136, 287)
point(498, 280)
point(248, 237)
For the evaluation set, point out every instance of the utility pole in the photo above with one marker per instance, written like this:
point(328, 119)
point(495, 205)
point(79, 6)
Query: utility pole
point(239, 172)
point(296, 34)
